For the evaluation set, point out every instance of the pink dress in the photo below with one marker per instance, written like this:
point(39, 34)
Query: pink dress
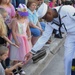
point(19, 53)
point(10, 10)
point(51, 4)
point(11, 13)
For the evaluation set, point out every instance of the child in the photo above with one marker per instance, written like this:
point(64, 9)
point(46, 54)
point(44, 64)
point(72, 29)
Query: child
point(3, 33)
point(3, 55)
point(3, 40)
point(9, 8)
point(6, 4)
point(20, 29)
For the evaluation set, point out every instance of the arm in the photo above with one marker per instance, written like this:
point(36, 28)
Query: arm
point(40, 28)
point(28, 32)
point(9, 70)
point(9, 41)
point(32, 25)
point(41, 41)
point(38, 24)
point(13, 12)
point(35, 26)
point(14, 26)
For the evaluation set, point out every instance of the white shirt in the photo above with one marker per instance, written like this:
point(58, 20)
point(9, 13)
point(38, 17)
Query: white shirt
point(2, 72)
point(67, 14)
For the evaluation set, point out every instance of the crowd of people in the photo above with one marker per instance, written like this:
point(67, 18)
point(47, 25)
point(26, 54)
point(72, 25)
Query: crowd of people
point(23, 32)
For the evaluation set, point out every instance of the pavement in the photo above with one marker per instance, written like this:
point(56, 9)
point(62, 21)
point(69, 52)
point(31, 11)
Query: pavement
point(52, 49)
point(56, 66)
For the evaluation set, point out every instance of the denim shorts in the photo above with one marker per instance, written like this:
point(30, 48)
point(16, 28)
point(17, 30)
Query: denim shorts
point(36, 32)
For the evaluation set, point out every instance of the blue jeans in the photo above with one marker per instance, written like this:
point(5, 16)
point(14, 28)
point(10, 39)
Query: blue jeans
point(17, 2)
point(36, 32)
point(14, 3)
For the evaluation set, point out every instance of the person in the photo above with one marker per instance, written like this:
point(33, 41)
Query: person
point(73, 2)
point(68, 3)
point(21, 35)
point(6, 4)
point(52, 3)
point(4, 14)
point(67, 17)
point(43, 39)
point(17, 2)
point(59, 2)
point(3, 34)
point(35, 26)
point(63, 2)
point(3, 55)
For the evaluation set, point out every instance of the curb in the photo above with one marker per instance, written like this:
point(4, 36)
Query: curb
point(54, 47)
point(37, 68)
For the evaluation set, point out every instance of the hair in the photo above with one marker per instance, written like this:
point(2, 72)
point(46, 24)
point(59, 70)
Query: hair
point(3, 50)
point(30, 2)
point(18, 16)
point(2, 11)
point(3, 30)
point(1, 2)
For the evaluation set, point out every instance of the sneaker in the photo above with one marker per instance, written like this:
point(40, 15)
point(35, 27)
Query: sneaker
point(58, 36)
point(46, 45)
point(17, 74)
point(22, 72)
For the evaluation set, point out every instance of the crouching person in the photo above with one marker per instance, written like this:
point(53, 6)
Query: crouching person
point(3, 55)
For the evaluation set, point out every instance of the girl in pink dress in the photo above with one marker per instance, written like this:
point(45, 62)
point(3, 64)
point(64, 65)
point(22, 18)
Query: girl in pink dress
point(21, 35)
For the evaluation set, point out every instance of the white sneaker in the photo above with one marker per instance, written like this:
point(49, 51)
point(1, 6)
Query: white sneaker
point(46, 45)
point(17, 74)
point(23, 72)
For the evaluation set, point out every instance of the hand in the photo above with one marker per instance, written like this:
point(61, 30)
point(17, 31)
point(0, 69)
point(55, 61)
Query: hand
point(28, 57)
point(8, 72)
point(41, 30)
point(20, 64)
point(29, 38)
point(15, 45)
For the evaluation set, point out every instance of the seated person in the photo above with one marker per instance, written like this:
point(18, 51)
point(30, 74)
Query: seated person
point(3, 55)
point(35, 27)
